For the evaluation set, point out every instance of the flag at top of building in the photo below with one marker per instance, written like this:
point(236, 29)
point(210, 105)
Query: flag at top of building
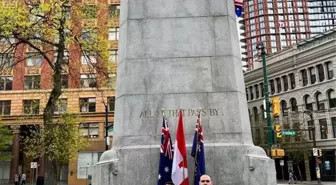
point(166, 155)
point(238, 7)
point(197, 151)
point(180, 167)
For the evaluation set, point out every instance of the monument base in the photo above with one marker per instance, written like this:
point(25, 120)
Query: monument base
point(226, 163)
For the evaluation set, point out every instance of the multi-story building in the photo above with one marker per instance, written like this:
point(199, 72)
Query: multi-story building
point(280, 23)
point(24, 90)
point(303, 77)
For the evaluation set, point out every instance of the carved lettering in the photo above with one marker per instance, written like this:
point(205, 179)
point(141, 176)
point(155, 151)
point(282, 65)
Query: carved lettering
point(175, 113)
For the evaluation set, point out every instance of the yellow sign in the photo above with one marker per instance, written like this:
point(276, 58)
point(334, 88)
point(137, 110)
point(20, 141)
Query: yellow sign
point(278, 131)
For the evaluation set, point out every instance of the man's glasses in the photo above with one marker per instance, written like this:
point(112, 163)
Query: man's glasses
point(205, 180)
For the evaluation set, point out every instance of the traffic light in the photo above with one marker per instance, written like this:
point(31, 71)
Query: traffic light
point(320, 152)
point(275, 106)
point(278, 131)
point(277, 153)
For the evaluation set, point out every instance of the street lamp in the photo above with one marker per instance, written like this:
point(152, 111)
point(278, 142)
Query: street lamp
point(317, 167)
point(270, 135)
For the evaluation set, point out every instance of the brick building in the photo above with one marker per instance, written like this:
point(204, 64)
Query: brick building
point(281, 23)
point(24, 91)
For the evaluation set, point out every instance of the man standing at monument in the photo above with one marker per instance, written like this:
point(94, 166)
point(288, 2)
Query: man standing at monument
point(205, 180)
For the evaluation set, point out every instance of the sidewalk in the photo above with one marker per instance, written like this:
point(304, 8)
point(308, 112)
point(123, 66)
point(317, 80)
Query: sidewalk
point(308, 182)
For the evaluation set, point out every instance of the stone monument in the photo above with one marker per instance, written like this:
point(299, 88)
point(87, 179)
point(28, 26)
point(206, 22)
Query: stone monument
point(181, 53)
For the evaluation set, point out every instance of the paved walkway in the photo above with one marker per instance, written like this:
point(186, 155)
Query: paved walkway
point(308, 183)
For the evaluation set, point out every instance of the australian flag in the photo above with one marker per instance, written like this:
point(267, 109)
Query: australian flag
point(238, 7)
point(166, 155)
point(197, 151)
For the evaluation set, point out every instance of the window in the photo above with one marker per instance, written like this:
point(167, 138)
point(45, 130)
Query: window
point(310, 129)
point(292, 80)
point(6, 83)
point(247, 94)
point(312, 75)
point(89, 59)
point(114, 56)
point(31, 106)
point(64, 81)
point(112, 81)
point(251, 92)
point(255, 115)
point(90, 11)
point(6, 60)
point(89, 129)
point(333, 123)
point(114, 11)
point(262, 89)
point(87, 104)
point(272, 86)
point(85, 162)
point(5, 107)
point(330, 70)
point(32, 82)
point(278, 82)
point(114, 34)
point(323, 128)
point(331, 98)
point(285, 81)
point(61, 106)
point(111, 102)
point(256, 90)
point(33, 59)
point(294, 104)
point(88, 81)
point(304, 77)
point(284, 109)
point(320, 105)
point(320, 72)
point(308, 102)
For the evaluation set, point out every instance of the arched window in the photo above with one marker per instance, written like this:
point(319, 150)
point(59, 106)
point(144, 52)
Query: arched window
point(293, 103)
point(262, 110)
point(308, 102)
point(319, 103)
point(255, 114)
point(331, 98)
point(284, 110)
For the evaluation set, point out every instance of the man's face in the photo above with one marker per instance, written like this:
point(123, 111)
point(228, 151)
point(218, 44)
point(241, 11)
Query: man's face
point(205, 180)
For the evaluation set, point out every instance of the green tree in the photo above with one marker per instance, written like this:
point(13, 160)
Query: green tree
point(51, 30)
point(60, 142)
point(5, 138)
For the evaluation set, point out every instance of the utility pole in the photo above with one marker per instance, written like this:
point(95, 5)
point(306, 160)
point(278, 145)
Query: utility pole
point(106, 127)
point(270, 134)
point(317, 167)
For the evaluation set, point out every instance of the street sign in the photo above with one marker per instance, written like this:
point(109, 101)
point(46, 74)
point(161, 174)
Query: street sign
point(315, 153)
point(282, 163)
point(33, 165)
point(289, 133)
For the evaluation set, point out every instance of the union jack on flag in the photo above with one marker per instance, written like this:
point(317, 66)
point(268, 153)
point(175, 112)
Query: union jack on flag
point(238, 7)
point(166, 155)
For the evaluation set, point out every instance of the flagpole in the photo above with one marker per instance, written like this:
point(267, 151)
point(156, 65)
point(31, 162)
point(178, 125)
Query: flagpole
point(197, 145)
point(183, 175)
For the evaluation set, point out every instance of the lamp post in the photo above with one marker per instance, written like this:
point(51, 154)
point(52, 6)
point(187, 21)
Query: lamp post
point(270, 134)
point(317, 167)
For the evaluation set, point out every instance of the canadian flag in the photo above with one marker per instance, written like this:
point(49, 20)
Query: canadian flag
point(180, 167)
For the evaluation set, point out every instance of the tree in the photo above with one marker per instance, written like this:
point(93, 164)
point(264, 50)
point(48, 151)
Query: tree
point(60, 142)
point(52, 30)
point(5, 138)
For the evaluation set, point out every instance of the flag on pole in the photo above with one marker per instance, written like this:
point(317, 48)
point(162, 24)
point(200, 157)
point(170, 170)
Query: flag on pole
point(197, 151)
point(166, 155)
point(238, 7)
point(180, 167)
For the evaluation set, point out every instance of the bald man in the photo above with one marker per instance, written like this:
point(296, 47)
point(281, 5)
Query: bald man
point(205, 180)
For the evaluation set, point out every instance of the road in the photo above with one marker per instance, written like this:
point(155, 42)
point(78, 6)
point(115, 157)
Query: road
point(307, 183)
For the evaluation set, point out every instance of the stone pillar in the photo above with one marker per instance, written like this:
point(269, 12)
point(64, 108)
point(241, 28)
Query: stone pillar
point(15, 153)
point(325, 70)
point(307, 167)
point(317, 74)
point(308, 76)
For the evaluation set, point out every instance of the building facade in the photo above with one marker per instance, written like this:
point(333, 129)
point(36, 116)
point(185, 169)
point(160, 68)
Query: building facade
point(281, 23)
point(25, 88)
point(303, 77)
